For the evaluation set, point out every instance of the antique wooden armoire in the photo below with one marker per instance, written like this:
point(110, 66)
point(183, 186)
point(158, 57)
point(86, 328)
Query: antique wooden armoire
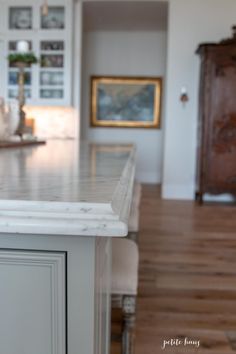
point(216, 171)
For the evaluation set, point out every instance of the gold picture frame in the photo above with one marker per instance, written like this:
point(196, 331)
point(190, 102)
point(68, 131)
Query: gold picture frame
point(130, 102)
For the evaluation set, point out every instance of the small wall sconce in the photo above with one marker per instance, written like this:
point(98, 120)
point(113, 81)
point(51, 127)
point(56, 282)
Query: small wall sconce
point(184, 96)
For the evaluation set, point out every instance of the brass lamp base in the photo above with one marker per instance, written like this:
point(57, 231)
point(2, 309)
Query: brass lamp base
point(21, 129)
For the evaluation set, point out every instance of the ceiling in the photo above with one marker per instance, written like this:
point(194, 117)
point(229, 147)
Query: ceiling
point(125, 15)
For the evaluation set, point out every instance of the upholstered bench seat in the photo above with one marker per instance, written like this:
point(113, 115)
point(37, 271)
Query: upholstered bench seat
point(137, 192)
point(133, 225)
point(125, 258)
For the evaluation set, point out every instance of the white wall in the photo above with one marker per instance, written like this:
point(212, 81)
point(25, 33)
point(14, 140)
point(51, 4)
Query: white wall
point(126, 54)
point(77, 37)
point(190, 23)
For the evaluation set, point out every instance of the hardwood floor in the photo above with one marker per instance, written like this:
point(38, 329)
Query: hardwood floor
point(187, 276)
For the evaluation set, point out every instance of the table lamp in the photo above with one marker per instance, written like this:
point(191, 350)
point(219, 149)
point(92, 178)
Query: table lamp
point(21, 59)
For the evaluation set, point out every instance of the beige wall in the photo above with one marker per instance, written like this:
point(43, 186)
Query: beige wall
point(126, 54)
point(190, 23)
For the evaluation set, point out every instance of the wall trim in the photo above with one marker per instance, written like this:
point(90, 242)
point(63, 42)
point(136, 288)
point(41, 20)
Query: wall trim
point(183, 192)
point(188, 193)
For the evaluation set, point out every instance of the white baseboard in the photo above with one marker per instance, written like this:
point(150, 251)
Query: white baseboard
point(219, 198)
point(184, 192)
point(188, 193)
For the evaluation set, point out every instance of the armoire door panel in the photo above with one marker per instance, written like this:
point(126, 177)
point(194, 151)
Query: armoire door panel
point(217, 112)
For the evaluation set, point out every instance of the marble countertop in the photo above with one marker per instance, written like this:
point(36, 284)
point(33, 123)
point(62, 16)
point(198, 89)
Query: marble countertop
point(66, 188)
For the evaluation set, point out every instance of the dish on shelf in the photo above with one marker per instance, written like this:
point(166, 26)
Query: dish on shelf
point(20, 18)
point(54, 19)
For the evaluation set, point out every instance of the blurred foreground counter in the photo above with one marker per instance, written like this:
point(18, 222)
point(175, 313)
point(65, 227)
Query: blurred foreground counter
point(60, 204)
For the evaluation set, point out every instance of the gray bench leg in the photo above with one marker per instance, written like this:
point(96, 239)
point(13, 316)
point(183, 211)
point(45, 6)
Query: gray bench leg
point(133, 236)
point(128, 308)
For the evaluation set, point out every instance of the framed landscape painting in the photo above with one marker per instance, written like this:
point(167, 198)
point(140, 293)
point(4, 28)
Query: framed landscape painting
point(125, 102)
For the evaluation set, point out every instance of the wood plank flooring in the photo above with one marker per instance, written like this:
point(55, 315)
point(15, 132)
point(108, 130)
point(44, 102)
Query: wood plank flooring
point(187, 276)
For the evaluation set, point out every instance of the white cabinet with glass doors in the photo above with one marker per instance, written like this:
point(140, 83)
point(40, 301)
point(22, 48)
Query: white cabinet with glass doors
point(49, 81)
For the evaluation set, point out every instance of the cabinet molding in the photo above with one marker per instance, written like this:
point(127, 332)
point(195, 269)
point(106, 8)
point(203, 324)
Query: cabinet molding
point(33, 316)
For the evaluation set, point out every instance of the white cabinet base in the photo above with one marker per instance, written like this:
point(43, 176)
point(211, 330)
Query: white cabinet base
point(32, 302)
point(54, 294)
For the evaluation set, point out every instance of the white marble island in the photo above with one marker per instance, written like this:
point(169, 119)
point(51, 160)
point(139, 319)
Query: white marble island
point(59, 206)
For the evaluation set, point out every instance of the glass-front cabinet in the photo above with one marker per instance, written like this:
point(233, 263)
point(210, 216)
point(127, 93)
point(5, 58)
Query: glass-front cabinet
point(51, 75)
point(12, 73)
point(49, 37)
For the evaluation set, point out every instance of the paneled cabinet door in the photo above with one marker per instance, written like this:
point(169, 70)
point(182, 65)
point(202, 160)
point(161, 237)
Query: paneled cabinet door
point(217, 119)
point(32, 302)
point(221, 122)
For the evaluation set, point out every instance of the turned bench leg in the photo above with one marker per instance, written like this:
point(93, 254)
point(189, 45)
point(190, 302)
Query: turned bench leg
point(128, 308)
